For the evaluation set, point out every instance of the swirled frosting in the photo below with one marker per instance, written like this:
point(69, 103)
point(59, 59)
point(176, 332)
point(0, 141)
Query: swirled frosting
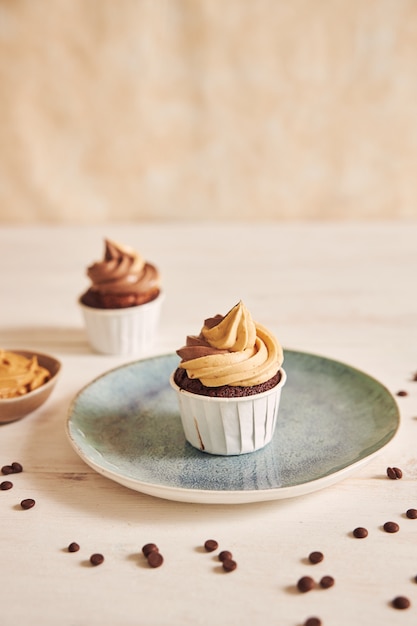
point(122, 278)
point(232, 350)
point(19, 375)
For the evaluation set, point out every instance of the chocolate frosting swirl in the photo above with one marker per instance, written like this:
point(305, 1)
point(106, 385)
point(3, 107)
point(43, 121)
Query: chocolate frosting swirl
point(232, 350)
point(123, 270)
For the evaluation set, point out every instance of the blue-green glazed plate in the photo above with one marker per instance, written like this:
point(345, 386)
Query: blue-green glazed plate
point(332, 419)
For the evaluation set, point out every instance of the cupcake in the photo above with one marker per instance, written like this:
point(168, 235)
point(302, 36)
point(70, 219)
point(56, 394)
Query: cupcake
point(228, 384)
point(122, 305)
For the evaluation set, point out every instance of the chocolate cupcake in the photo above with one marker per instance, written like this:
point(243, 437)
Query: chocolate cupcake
point(229, 383)
point(122, 305)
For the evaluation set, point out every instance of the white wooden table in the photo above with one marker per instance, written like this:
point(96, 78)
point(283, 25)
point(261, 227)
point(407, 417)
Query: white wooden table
point(344, 290)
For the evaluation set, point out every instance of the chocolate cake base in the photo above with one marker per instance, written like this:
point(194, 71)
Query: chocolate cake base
point(117, 301)
point(193, 385)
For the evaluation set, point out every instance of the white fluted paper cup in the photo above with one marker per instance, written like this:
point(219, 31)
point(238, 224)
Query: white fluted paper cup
point(229, 426)
point(131, 330)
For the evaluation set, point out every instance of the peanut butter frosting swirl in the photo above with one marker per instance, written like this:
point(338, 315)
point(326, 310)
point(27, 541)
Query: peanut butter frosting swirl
point(232, 350)
point(123, 270)
point(19, 375)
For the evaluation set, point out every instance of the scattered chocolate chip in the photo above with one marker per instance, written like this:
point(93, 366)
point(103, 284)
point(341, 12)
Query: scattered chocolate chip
point(401, 602)
point(210, 545)
point(360, 532)
point(327, 582)
point(96, 559)
point(312, 621)
point(315, 557)
point(148, 548)
point(391, 527)
point(225, 554)
point(411, 513)
point(155, 559)
point(16, 467)
point(7, 469)
point(5, 485)
point(306, 583)
point(402, 393)
point(394, 473)
point(27, 503)
point(73, 547)
point(229, 565)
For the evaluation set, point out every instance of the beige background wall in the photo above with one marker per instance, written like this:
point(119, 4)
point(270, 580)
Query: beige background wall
point(182, 109)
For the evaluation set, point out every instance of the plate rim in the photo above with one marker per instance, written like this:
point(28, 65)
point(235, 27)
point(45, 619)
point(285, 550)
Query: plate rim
point(213, 496)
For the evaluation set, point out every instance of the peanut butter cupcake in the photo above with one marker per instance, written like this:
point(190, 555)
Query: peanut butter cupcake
point(229, 383)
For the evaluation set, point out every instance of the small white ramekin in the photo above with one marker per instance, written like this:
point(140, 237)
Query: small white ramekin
point(229, 426)
point(131, 330)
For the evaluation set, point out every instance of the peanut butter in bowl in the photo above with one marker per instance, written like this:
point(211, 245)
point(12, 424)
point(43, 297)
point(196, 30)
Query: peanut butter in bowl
point(26, 381)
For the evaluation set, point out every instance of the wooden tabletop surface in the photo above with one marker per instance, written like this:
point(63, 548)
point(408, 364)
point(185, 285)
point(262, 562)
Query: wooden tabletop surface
point(347, 291)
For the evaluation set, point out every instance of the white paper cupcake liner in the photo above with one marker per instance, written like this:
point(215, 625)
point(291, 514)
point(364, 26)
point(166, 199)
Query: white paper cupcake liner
point(229, 426)
point(131, 330)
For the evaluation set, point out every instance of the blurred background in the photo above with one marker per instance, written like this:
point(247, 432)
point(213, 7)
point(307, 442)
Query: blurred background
point(117, 110)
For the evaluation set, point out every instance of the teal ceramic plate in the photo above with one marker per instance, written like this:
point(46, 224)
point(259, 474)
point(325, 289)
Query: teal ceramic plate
point(332, 419)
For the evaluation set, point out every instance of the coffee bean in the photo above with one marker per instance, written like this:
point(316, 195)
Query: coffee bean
point(7, 469)
point(155, 559)
point(401, 602)
point(315, 557)
point(412, 514)
point(312, 621)
point(360, 533)
point(225, 554)
point(210, 545)
point(148, 548)
point(402, 393)
point(394, 473)
point(16, 467)
point(5, 485)
point(96, 559)
point(73, 547)
point(391, 527)
point(28, 503)
point(306, 583)
point(327, 582)
point(229, 565)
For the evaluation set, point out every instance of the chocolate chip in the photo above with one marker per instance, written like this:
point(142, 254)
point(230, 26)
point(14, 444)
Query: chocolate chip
point(210, 545)
point(155, 559)
point(96, 559)
point(401, 602)
point(412, 514)
point(28, 503)
point(16, 467)
point(315, 557)
point(394, 473)
point(5, 485)
point(148, 548)
point(229, 565)
point(225, 554)
point(327, 582)
point(312, 621)
point(402, 393)
point(7, 469)
point(360, 532)
point(391, 527)
point(73, 547)
point(306, 583)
